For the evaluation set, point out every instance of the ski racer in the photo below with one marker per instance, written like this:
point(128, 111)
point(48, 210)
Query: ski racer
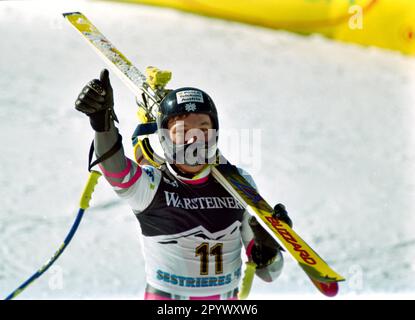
point(192, 228)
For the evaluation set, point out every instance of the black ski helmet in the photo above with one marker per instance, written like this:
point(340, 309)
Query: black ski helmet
point(183, 101)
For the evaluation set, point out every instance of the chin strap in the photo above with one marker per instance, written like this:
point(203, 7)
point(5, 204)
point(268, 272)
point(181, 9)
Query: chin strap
point(188, 176)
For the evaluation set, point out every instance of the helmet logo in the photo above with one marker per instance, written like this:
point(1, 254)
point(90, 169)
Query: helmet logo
point(190, 107)
point(187, 96)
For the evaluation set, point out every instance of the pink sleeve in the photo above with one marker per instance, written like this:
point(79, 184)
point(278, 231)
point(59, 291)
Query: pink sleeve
point(133, 170)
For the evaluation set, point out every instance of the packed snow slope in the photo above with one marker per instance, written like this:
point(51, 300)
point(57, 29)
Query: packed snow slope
point(333, 126)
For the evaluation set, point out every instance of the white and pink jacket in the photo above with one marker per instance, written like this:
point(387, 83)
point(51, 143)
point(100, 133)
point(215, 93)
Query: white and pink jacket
point(192, 230)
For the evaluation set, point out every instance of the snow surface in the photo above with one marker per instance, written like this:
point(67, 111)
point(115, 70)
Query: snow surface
point(337, 146)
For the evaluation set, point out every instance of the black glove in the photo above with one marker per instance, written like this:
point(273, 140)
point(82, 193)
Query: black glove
point(265, 248)
point(97, 102)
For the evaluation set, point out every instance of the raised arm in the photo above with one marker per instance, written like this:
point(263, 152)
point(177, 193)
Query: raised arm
point(125, 176)
point(97, 102)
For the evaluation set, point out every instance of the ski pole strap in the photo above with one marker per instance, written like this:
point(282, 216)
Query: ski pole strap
point(114, 149)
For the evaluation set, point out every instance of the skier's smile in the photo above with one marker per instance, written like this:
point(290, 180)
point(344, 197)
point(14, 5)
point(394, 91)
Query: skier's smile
point(190, 128)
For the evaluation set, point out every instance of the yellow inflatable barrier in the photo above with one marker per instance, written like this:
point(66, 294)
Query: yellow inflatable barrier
point(384, 23)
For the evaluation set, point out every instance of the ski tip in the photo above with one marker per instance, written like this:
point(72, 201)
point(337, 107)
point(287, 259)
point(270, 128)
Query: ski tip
point(65, 14)
point(329, 289)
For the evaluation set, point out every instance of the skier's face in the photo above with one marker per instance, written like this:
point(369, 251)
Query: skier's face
point(189, 128)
